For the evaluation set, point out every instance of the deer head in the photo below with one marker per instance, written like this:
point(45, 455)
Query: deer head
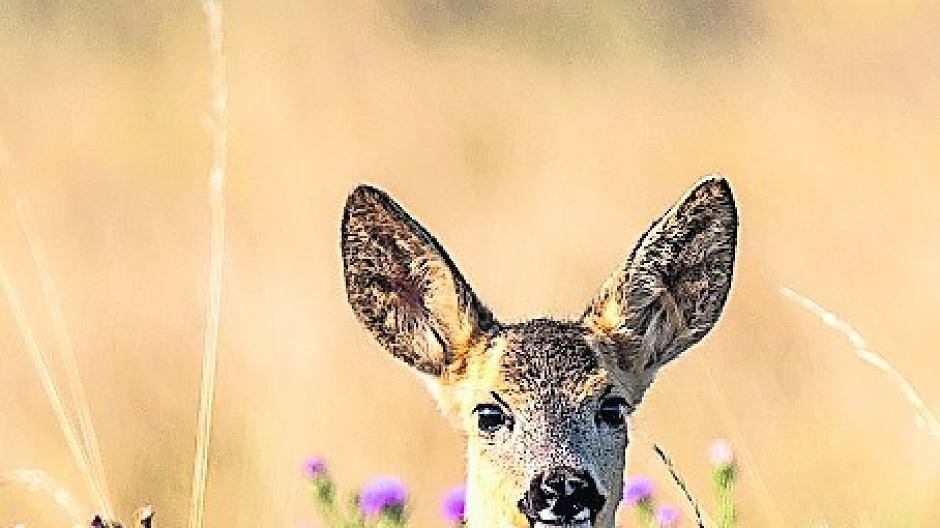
point(543, 403)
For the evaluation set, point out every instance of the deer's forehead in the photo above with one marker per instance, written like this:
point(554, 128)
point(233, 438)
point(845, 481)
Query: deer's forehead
point(551, 359)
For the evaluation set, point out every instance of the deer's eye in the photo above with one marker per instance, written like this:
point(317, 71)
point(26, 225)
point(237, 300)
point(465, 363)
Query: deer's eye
point(612, 413)
point(491, 418)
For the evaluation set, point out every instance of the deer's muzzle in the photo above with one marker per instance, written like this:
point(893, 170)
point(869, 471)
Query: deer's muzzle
point(562, 496)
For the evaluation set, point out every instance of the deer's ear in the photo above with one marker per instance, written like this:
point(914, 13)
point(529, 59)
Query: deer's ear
point(403, 286)
point(674, 285)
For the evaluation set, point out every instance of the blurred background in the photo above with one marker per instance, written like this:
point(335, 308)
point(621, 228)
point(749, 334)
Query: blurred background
point(537, 140)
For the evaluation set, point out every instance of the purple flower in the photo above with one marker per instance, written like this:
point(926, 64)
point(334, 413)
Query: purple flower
point(720, 453)
point(667, 515)
point(453, 505)
point(638, 489)
point(381, 494)
point(314, 467)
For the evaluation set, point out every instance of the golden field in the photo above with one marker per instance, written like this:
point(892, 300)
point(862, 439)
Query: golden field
point(537, 141)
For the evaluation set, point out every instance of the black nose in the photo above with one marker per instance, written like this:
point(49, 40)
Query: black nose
point(562, 495)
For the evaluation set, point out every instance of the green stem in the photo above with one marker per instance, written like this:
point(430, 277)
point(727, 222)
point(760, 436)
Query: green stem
point(724, 483)
point(644, 513)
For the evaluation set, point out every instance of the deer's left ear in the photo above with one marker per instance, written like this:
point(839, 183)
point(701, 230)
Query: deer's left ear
point(674, 285)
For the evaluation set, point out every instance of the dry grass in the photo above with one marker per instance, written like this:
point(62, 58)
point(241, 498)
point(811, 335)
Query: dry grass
point(536, 144)
point(680, 482)
point(87, 454)
point(64, 345)
point(36, 481)
point(50, 388)
point(217, 126)
point(924, 417)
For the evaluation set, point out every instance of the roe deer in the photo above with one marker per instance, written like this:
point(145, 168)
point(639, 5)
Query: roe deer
point(543, 403)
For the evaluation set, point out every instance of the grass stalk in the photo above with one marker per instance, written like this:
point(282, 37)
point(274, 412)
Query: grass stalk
point(37, 481)
point(924, 417)
point(64, 342)
point(67, 351)
point(681, 483)
point(49, 386)
point(218, 130)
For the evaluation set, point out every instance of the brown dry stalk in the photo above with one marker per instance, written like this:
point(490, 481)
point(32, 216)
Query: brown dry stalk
point(217, 127)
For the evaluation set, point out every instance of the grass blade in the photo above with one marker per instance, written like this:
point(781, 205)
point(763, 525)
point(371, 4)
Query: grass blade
point(681, 483)
point(64, 342)
point(67, 350)
point(38, 482)
point(217, 126)
point(925, 417)
point(49, 385)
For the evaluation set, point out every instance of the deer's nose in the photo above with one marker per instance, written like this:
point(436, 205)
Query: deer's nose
point(562, 495)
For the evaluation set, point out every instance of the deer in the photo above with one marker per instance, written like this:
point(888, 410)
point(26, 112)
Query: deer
point(543, 403)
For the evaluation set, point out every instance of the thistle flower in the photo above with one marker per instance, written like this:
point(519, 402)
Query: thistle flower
point(383, 495)
point(321, 485)
point(314, 467)
point(638, 489)
point(720, 453)
point(723, 475)
point(666, 515)
point(724, 466)
point(454, 505)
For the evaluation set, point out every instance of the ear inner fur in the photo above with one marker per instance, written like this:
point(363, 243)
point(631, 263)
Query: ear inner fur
point(404, 287)
point(672, 289)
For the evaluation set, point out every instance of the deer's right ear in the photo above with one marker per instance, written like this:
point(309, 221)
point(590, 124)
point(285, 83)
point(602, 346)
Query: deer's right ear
point(404, 288)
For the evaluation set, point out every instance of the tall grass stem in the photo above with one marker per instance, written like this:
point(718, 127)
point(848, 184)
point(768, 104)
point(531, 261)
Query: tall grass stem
point(67, 351)
point(924, 416)
point(681, 483)
point(49, 386)
point(217, 127)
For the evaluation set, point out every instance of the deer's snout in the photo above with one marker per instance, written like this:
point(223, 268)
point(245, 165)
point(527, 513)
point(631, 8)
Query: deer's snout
point(560, 497)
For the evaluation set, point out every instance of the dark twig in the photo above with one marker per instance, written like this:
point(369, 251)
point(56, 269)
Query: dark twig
point(681, 483)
